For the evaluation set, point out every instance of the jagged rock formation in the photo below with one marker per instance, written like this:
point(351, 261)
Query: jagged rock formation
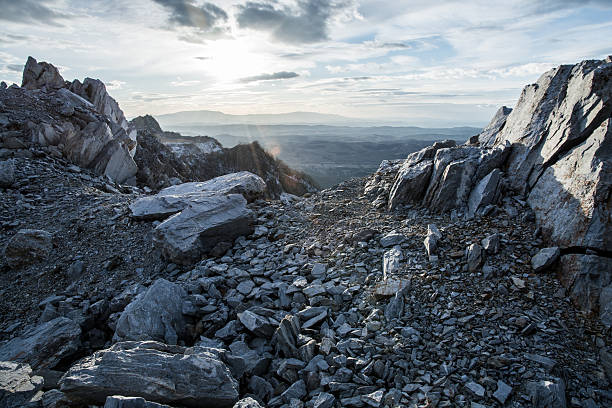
point(163, 161)
point(554, 150)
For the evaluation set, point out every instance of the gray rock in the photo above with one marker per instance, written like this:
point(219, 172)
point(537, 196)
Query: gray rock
point(547, 394)
point(606, 362)
point(391, 262)
point(324, 400)
point(605, 306)
point(488, 134)
point(17, 385)
point(485, 192)
point(395, 307)
point(474, 257)
point(186, 236)
point(44, 346)
point(411, 183)
point(286, 335)
point(373, 399)
point(117, 401)
point(475, 388)
point(319, 270)
point(54, 399)
point(431, 240)
point(491, 244)
point(391, 239)
point(247, 403)
point(250, 185)
point(154, 315)
point(545, 258)
point(586, 276)
point(297, 390)
point(159, 207)
point(41, 74)
point(28, 246)
point(259, 325)
point(503, 392)
point(7, 173)
point(154, 371)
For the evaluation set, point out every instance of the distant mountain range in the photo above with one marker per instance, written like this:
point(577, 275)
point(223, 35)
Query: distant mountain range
point(207, 117)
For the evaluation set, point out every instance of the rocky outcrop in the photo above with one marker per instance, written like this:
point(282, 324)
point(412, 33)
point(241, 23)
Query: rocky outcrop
point(552, 150)
point(44, 346)
point(157, 372)
point(154, 315)
point(165, 158)
point(79, 121)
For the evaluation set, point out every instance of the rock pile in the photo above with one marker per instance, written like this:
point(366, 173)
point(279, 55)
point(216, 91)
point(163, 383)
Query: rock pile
point(553, 152)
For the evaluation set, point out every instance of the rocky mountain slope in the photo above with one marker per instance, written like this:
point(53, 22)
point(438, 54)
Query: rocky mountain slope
point(205, 294)
point(164, 158)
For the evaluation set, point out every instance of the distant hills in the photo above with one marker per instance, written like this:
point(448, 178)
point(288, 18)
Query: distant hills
point(207, 117)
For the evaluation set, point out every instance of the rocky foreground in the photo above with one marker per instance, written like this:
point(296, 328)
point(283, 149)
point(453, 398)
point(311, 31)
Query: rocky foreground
point(433, 283)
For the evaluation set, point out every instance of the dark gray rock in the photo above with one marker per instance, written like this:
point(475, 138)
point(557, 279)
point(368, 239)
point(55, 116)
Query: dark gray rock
point(475, 257)
point(154, 315)
point(545, 258)
point(44, 346)
point(7, 173)
point(547, 394)
point(154, 371)
point(28, 246)
point(485, 192)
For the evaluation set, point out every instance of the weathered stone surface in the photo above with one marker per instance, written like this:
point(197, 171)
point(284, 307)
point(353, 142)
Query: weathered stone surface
point(485, 192)
point(44, 346)
point(185, 237)
point(547, 394)
point(488, 134)
point(474, 255)
point(247, 403)
point(286, 335)
point(41, 74)
point(7, 173)
point(605, 306)
point(391, 262)
point(411, 183)
point(154, 371)
point(159, 207)
point(250, 185)
point(117, 401)
point(545, 258)
point(260, 325)
point(154, 315)
point(17, 385)
point(28, 246)
point(585, 276)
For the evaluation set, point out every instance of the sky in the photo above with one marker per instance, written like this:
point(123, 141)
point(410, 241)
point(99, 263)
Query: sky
point(424, 63)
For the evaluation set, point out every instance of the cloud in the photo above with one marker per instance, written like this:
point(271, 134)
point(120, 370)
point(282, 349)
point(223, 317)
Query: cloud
point(114, 84)
point(205, 17)
point(308, 22)
point(29, 11)
point(271, 77)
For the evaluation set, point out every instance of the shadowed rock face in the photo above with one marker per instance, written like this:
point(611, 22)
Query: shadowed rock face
point(554, 149)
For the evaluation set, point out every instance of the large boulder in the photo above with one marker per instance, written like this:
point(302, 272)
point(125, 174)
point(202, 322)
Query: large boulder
point(154, 315)
point(250, 185)
point(44, 346)
point(95, 92)
point(17, 385)
point(157, 372)
point(28, 246)
point(186, 236)
point(41, 74)
point(160, 207)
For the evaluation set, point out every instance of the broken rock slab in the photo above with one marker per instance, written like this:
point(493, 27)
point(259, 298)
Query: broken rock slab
point(186, 236)
point(118, 401)
point(18, 386)
point(44, 346)
point(154, 371)
point(154, 315)
point(545, 258)
point(28, 246)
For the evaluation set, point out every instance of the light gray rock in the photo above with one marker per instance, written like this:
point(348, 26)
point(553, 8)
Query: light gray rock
point(54, 399)
point(247, 403)
point(95, 92)
point(391, 262)
point(488, 134)
point(324, 400)
point(391, 239)
point(475, 388)
point(545, 258)
point(28, 246)
point(159, 207)
point(250, 185)
point(503, 392)
point(41, 74)
point(491, 244)
point(44, 346)
point(431, 240)
point(186, 236)
point(7, 173)
point(118, 401)
point(547, 394)
point(154, 371)
point(17, 385)
point(154, 315)
point(485, 192)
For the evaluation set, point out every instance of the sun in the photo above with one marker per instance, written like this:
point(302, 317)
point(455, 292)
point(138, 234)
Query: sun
point(233, 59)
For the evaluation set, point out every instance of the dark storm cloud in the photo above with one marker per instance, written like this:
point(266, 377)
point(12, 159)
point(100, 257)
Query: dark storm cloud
point(271, 77)
point(28, 11)
point(307, 24)
point(206, 17)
